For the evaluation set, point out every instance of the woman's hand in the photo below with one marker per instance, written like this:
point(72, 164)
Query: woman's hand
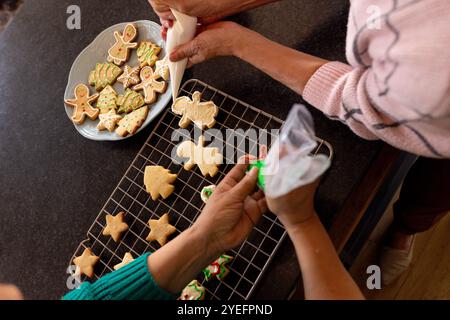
point(218, 39)
point(232, 210)
point(296, 207)
point(225, 222)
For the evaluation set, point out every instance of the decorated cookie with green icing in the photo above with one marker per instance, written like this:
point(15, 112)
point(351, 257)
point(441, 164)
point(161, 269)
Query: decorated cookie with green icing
point(104, 74)
point(147, 53)
point(218, 268)
point(129, 101)
point(193, 291)
point(207, 192)
point(132, 122)
point(107, 100)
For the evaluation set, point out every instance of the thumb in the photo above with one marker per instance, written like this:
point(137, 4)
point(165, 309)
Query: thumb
point(183, 51)
point(247, 185)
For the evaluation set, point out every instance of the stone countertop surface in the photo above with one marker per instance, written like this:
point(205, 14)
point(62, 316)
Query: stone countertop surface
point(54, 181)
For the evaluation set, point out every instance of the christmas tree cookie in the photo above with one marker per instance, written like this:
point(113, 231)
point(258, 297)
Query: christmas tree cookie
point(131, 100)
point(132, 122)
point(148, 53)
point(107, 100)
point(104, 74)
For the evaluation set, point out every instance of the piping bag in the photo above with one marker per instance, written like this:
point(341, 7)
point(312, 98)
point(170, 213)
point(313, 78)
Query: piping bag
point(182, 31)
point(290, 163)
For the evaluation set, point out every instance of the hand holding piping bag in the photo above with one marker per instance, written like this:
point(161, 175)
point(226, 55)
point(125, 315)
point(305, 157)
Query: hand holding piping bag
point(183, 30)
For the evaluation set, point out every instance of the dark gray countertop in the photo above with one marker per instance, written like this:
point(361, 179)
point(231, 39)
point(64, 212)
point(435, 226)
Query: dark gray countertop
point(54, 181)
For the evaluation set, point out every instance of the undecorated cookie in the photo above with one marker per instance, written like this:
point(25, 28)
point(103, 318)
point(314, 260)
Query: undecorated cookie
point(120, 51)
point(132, 122)
point(158, 182)
point(85, 263)
point(202, 114)
point(208, 159)
point(115, 226)
point(82, 104)
point(160, 230)
point(127, 258)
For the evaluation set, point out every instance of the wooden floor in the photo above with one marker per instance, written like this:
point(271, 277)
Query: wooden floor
point(429, 275)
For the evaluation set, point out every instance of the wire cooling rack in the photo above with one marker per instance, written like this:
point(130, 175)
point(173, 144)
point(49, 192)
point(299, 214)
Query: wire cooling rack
point(251, 259)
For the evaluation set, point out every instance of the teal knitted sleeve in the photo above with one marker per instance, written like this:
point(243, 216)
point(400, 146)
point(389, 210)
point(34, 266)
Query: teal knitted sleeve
point(131, 282)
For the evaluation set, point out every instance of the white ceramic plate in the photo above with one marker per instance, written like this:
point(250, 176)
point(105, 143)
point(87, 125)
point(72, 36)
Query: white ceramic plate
point(96, 52)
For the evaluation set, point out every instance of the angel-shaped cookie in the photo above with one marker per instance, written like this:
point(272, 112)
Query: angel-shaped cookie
point(120, 51)
point(208, 159)
point(82, 104)
point(201, 113)
point(150, 85)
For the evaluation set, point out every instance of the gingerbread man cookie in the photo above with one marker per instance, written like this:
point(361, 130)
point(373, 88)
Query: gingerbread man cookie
point(193, 291)
point(129, 77)
point(201, 113)
point(115, 226)
point(120, 51)
point(82, 104)
point(132, 122)
point(159, 182)
point(85, 263)
point(160, 230)
point(218, 268)
point(148, 53)
point(208, 159)
point(150, 85)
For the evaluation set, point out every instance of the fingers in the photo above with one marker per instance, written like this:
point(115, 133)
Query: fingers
point(258, 195)
point(247, 185)
point(183, 51)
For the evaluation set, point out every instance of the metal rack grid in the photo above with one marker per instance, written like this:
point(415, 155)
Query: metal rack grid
point(251, 259)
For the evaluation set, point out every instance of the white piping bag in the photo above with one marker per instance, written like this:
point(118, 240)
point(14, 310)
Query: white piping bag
point(182, 31)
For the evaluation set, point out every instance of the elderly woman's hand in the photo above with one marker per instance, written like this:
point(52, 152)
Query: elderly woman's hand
point(232, 210)
point(224, 223)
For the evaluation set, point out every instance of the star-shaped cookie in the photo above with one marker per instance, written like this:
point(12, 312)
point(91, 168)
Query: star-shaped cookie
point(159, 182)
point(162, 69)
point(85, 263)
point(127, 258)
point(160, 229)
point(129, 77)
point(108, 121)
point(115, 226)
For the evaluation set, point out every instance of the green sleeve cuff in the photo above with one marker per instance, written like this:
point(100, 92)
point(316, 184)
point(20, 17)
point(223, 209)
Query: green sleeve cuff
point(131, 282)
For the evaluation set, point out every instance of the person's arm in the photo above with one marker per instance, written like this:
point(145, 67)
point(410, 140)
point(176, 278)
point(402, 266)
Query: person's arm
point(224, 223)
point(324, 276)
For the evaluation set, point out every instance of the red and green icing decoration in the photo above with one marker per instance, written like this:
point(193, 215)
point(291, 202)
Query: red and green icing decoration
point(193, 291)
point(218, 268)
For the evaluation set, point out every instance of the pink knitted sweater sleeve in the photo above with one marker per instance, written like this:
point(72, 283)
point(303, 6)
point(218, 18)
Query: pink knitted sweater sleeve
point(396, 86)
